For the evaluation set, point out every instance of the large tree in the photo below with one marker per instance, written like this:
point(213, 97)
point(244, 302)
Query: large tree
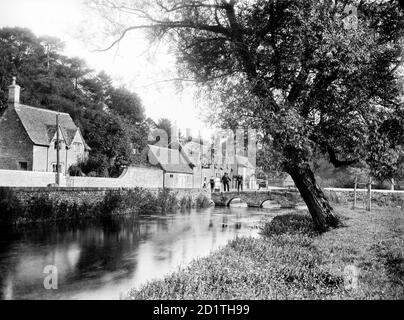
point(309, 75)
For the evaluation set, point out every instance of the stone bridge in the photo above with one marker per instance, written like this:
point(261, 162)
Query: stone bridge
point(277, 198)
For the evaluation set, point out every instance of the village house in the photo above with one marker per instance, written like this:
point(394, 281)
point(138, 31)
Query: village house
point(28, 137)
point(177, 167)
point(198, 152)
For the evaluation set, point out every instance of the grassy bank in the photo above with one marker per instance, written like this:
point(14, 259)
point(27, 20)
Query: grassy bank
point(292, 261)
point(130, 202)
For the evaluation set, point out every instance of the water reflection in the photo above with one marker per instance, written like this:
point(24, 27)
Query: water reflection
point(103, 260)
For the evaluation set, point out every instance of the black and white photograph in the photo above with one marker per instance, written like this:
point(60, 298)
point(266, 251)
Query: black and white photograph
point(220, 151)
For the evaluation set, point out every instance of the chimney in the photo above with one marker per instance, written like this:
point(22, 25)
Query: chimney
point(14, 93)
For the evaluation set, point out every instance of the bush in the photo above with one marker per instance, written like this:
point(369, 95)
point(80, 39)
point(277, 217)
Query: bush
point(10, 206)
point(136, 201)
point(113, 200)
point(186, 202)
point(202, 201)
point(95, 165)
point(40, 208)
point(290, 224)
point(166, 201)
point(75, 171)
point(143, 200)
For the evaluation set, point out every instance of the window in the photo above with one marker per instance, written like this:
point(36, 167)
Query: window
point(171, 176)
point(23, 165)
point(60, 144)
point(54, 167)
point(76, 146)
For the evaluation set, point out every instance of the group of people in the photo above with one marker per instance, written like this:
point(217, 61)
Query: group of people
point(226, 182)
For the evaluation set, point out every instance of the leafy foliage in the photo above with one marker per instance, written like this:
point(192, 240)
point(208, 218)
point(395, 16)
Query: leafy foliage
point(45, 208)
point(295, 70)
point(298, 71)
point(111, 119)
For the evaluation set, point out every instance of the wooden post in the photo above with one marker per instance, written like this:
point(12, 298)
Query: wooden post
point(57, 151)
point(354, 199)
point(370, 194)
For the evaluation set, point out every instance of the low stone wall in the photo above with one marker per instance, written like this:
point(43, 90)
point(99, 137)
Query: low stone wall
point(380, 197)
point(145, 177)
point(15, 178)
point(70, 195)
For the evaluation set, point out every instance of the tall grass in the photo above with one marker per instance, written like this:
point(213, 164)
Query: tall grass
point(292, 261)
point(44, 208)
point(202, 201)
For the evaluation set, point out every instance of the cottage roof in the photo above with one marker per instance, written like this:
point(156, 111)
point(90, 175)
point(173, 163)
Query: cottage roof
point(171, 160)
point(243, 161)
point(40, 124)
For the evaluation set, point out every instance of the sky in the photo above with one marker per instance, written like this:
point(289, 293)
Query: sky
point(131, 64)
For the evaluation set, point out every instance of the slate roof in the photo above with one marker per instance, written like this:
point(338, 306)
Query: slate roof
point(171, 160)
point(40, 124)
point(244, 162)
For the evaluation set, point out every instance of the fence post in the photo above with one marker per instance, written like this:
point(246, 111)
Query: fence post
point(370, 194)
point(354, 199)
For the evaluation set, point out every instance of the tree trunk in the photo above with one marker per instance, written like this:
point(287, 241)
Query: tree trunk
point(318, 205)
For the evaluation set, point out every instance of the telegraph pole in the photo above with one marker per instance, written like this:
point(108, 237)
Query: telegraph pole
point(57, 151)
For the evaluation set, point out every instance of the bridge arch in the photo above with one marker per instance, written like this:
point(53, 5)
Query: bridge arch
point(230, 199)
point(285, 198)
point(273, 203)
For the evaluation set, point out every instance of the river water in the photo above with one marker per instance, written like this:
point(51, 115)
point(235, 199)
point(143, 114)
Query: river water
point(104, 260)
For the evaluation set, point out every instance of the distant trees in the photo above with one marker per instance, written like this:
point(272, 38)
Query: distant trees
point(111, 119)
point(166, 125)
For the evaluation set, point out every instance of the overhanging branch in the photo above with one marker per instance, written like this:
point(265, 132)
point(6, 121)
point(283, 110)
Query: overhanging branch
point(339, 163)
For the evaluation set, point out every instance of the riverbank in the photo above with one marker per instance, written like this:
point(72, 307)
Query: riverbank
point(364, 259)
point(47, 205)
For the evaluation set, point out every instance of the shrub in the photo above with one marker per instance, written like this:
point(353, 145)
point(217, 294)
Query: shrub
point(202, 201)
point(75, 171)
point(166, 201)
point(186, 202)
point(44, 208)
point(290, 223)
point(40, 208)
point(142, 199)
point(112, 201)
point(10, 206)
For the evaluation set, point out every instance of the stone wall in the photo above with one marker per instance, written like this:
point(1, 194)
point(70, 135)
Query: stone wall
point(71, 195)
point(15, 178)
point(145, 177)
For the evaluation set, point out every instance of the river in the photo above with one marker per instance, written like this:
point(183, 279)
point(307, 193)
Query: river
point(104, 260)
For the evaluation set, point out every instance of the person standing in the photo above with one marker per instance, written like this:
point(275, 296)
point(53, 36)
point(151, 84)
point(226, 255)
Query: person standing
point(239, 183)
point(205, 183)
point(225, 181)
point(212, 183)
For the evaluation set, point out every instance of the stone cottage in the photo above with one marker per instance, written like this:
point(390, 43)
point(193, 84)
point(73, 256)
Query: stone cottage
point(28, 137)
point(199, 153)
point(177, 168)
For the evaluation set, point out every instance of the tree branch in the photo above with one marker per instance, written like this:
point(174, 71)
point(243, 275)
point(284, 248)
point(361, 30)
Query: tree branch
point(338, 163)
